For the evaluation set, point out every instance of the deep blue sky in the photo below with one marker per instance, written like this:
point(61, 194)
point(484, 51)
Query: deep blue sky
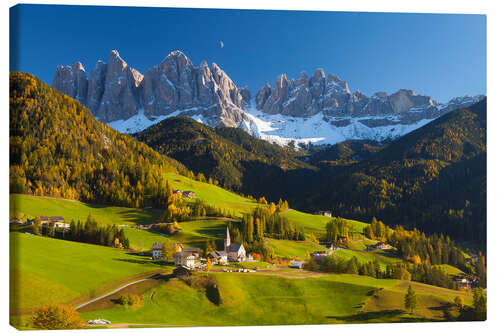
point(438, 55)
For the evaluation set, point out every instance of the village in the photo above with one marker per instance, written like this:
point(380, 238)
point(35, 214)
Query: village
point(195, 259)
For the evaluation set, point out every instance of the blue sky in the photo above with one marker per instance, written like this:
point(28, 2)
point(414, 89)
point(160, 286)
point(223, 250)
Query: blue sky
point(438, 55)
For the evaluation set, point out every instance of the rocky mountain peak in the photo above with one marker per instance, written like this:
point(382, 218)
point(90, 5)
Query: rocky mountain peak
point(115, 91)
point(72, 81)
point(319, 73)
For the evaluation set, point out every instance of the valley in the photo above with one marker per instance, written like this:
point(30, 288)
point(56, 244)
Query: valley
point(184, 218)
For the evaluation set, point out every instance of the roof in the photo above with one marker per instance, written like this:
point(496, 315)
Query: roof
point(183, 254)
point(218, 254)
point(235, 247)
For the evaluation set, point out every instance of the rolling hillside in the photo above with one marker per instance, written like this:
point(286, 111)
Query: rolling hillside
point(247, 299)
point(46, 270)
point(234, 158)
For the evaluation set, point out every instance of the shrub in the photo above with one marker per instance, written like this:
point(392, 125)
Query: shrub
point(130, 299)
point(57, 317)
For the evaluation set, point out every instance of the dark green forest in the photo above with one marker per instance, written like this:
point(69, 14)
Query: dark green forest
point(433, 178)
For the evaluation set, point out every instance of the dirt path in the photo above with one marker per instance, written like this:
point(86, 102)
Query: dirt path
point(108, 294)
point(114, 291)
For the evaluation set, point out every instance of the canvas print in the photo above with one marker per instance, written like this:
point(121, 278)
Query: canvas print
point(178, 167)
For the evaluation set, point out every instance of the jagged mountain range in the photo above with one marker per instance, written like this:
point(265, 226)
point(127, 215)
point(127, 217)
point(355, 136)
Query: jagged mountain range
point(116, 91)
point(320, 109)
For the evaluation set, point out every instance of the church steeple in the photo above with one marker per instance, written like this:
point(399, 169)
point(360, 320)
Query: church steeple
point(227, 242)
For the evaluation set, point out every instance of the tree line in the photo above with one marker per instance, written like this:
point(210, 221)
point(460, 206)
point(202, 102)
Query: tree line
point(93, 232)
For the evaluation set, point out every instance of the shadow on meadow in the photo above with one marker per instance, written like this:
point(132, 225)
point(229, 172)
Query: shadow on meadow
point(385, 315)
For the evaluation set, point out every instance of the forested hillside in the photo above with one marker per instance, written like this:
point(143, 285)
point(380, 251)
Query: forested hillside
point(231, 156)
point(343, 153)
point(433, 178)
point(58, 148)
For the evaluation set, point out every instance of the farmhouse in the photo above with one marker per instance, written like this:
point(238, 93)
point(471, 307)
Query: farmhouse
point(185, 194)
point(235, 251)
point(188, 194)
point(324, 213)
point(461, 282)
point(379, 246)
point(186, 259)
point(195, 251)
point(156, 250)
point(218, 257)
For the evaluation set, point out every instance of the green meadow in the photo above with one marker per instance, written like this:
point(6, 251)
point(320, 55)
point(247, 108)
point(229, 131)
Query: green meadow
point(29, 206)
point(47, 270)
point(212, 195)
point(316, 223)
point(384, 257)
point(450, 270)
point(248, 299)
point(288, 248)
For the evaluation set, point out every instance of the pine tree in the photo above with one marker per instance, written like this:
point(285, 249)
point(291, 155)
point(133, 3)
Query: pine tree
point(410, 300)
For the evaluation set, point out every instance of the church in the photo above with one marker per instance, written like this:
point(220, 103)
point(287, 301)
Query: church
point(235, 251)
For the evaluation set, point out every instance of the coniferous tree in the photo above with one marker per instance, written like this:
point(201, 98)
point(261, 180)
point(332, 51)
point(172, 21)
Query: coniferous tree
point(410, 299)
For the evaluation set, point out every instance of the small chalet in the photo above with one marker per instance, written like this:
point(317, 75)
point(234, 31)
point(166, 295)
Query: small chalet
point(461, 282)
point(379, 246)
point(218, 257)
point(320, 256)
point(324, 213)
point(188, 194)
point(185, 194)
point(156, 250)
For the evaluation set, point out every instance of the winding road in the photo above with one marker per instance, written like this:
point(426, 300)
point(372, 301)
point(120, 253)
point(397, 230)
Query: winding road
point(112, 292)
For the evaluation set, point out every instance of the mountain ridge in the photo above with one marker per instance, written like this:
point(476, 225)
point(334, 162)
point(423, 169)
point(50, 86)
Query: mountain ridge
point(320, 109)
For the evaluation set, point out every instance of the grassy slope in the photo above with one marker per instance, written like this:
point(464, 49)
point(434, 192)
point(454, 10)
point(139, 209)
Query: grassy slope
point(431, 301)
point(220, 197)
point(382, 256)
point(142, 240)
point(49, 270)
point(289, 248)
point(451, 270)
point(249, 299)
point(246, 300)
point(213, 195)
point(70, 209)
point(196, 233)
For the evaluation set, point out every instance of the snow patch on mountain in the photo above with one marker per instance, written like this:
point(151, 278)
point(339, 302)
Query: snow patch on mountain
point(318, 128)
point(140, 121)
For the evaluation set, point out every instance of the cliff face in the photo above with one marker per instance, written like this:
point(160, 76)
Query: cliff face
point(305, 97)
point(116, 91)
